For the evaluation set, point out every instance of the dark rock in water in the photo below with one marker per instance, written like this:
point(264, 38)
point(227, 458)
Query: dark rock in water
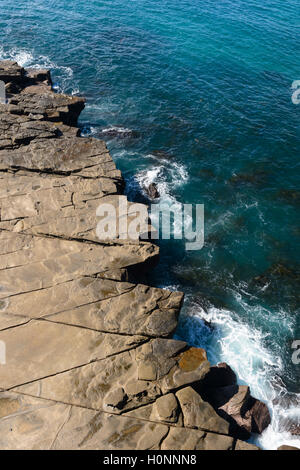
point(235, 404)
point(207, 173)
point(162, 154)
point(119, 132)
point(152, 191)
point(292, 196)
point(280, 270)
point(295, 429)
point(287, 424)
point(287, 448)
point(255, 179)
point(277, 272)
point(260, 416)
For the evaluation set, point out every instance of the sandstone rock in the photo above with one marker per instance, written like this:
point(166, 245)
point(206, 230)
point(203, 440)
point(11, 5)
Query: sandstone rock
point(287, 448)
point(150, 412)
point(198, 413)
point(41, 263)
point(52, 106)
point(218, 442)
point(242, 445)
point(17, 130)
point(235, 404)
point(236, 400)
point(260, 416)
point(30, 423)
point(190, 439)
point(114, 400)
point(53, 349)
point(166, 408)
point(191, 368)
point(100, 304)
point(183, 439)
point(147, 371)
point(89, 362)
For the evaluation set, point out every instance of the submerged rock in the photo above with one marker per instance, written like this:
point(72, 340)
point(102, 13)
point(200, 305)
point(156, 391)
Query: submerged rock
point(292, 196)
point(256, 178)
point(162, 154)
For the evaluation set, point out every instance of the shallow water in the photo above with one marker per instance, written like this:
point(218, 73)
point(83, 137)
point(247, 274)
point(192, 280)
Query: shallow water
point(198, 94)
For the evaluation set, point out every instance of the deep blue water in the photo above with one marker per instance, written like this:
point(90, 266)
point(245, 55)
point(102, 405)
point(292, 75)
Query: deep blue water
point(206, 88)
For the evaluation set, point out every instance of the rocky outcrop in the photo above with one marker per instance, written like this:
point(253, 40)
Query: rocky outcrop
point(233, 402)
point(90, 363)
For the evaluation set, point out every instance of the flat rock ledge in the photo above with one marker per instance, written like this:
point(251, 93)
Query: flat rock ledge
point(90, 359)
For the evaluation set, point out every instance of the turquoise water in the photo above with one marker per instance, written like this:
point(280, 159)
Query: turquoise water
point(199, 96)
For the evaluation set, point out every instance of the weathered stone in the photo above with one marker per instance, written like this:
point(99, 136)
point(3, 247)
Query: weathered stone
point(191, 367)
point(284, 447)
point(192, 359)
point(37, 263)
point(260, 416)
point(190, 439)
point(218, 442)
point(10, 71)
point(235, 404)
point(39, 75)
point(183, 439)
point(114, 400)
point(40, 349)
point(166, 408)
point(198, 413)
point(237, 397)
point(242, 445)
point(34, 424)
point(100, 304)
point(52, 106)
point(147, 371)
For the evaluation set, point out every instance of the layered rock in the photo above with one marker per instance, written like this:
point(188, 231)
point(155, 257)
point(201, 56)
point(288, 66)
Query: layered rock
point(90, 363)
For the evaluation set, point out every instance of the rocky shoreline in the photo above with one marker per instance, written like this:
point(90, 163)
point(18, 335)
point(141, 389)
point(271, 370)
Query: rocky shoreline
point(90, 359)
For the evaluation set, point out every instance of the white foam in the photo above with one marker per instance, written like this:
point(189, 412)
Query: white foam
point(166, 175)
point(115, 129)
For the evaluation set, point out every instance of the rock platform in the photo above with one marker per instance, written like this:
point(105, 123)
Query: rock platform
point(90, 359)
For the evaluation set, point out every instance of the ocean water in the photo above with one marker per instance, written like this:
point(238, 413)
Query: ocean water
point(198, 95)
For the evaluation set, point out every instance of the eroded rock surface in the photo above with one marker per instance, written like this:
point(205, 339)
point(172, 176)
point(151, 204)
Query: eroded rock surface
point(90, 363)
